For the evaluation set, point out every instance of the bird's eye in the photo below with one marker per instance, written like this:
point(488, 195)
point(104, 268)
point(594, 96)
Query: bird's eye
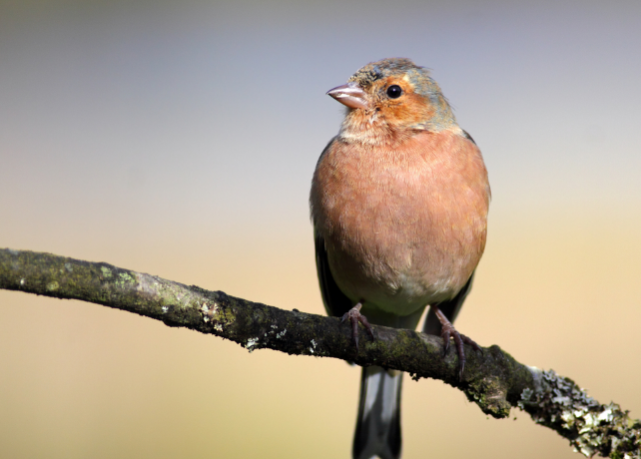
point(394, 91)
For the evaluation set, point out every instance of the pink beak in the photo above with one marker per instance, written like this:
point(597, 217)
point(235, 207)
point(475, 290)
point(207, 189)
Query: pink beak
point(350, 95)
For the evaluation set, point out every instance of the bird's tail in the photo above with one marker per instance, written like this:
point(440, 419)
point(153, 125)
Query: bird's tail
point(378, 427)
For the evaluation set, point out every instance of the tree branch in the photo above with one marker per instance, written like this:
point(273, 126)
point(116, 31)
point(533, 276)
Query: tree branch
point(493, 379)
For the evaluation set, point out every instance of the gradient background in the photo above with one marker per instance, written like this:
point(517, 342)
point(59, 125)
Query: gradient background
point(179, 139)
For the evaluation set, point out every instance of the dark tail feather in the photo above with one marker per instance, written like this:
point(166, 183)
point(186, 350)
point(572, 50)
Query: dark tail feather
point(378, 427)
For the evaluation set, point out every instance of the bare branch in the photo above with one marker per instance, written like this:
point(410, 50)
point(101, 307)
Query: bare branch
point(493, 379)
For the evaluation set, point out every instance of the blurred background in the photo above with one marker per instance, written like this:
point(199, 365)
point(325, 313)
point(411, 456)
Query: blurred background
point(179, 139)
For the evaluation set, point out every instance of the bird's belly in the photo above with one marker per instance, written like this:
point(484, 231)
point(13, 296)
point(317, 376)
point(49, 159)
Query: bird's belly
point(401, 259)
point(396, 281)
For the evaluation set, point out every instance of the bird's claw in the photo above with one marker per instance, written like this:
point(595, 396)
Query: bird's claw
point(447, 331)
point(354, 315)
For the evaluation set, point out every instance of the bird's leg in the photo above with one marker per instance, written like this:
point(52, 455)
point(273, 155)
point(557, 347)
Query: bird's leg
point(447, 330)
point(354, 315)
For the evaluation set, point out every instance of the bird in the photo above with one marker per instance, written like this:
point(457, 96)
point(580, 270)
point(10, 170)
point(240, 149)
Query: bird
point(399, 203)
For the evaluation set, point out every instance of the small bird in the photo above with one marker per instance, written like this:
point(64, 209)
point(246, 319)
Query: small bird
point(399, 204)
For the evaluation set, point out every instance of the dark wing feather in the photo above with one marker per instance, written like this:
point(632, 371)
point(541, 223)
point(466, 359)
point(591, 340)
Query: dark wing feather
point(450, 308)
point(468, 136)
point(336, 303)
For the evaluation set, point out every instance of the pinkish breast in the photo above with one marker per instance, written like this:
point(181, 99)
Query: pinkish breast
point(404, 226)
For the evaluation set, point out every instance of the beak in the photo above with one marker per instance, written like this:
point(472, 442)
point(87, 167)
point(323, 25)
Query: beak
point(350, 95)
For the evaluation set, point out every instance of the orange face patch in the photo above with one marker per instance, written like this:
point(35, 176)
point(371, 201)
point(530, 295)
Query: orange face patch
point(407, 110)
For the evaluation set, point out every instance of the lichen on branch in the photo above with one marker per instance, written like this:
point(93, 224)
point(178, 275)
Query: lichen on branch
point(493, 379)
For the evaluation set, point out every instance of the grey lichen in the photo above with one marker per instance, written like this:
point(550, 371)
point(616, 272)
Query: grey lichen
point(592, 428)
point(493, 378)
point(251, 344)
point(206, 314)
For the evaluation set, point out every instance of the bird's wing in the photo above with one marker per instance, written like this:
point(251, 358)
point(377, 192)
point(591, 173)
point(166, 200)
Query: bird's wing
point(336, 303)
point(450, 308)
point(468, 136)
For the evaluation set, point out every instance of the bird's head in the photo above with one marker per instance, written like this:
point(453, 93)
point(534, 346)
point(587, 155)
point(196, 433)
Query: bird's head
point(392, 99)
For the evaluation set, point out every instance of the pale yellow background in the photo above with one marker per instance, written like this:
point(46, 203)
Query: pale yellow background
point(179, 139)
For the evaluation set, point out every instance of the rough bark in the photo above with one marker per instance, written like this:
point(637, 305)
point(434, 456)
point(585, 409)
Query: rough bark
point(492, 379)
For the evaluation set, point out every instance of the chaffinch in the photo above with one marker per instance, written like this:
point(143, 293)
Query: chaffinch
point(399, 203)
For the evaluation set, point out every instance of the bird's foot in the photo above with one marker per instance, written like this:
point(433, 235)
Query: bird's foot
point(354, 315)
point(447, 330)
